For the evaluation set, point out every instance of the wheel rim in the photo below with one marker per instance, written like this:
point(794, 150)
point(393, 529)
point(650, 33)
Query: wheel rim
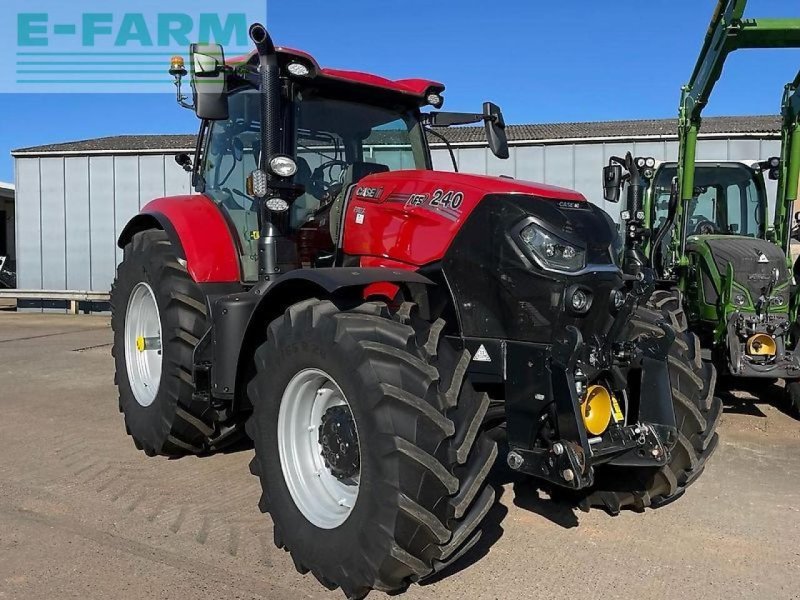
point(143, 344)
point(323, 491)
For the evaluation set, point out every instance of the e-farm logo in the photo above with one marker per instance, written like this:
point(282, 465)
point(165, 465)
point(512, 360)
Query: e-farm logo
point(112, 46)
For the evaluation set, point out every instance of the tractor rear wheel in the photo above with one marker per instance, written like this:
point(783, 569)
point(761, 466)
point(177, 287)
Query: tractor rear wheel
point(697, 413)
point(368, 445)
point(158, 317)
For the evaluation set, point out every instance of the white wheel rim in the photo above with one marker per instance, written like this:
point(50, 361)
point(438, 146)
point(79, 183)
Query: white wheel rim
point(143, 344)
point(322, 498)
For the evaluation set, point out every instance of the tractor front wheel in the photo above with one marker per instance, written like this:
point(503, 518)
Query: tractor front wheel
point(697, 414)
point(368, 445)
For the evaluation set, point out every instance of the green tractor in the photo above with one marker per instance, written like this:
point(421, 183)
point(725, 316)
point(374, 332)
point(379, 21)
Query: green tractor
point(724, 265)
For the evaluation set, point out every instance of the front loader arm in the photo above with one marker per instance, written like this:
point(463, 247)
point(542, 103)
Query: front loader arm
point(727, 32)
point(790, 163)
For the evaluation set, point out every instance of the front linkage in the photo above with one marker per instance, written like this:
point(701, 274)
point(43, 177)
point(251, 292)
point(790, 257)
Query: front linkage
point(569, 460)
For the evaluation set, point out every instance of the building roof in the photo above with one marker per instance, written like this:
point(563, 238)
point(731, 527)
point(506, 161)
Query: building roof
point(517, 134)
point(6, 190)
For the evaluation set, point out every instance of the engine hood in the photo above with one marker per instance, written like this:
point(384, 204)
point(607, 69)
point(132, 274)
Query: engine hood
point(483, 184)
point(753, 260)
point(411, 217)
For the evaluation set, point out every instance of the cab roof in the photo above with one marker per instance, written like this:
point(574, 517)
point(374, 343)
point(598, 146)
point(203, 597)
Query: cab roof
point(416, 88)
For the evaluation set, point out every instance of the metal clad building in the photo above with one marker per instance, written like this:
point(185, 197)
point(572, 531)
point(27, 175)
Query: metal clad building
point(74, 199)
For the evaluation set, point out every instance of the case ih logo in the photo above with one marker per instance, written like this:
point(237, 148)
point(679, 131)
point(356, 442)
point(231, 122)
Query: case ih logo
point(95, 46)
point(369, 193)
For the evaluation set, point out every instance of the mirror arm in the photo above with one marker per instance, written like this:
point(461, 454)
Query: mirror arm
point(182, 99)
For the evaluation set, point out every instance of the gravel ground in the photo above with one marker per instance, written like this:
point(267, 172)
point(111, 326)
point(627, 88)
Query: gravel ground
point(84, 515)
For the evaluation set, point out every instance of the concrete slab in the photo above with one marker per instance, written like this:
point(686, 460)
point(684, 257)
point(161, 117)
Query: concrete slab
point(84, 515)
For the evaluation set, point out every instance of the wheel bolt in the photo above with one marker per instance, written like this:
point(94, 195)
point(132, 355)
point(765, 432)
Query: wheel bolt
point(558, 449)
point(514, 460)
point(568, 475)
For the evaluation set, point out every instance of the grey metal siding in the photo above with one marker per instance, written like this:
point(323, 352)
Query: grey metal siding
point(578, 165)
point(101, 212)
point(54, 265)
point(78, 224)
point(70, 210)
point(29, 226)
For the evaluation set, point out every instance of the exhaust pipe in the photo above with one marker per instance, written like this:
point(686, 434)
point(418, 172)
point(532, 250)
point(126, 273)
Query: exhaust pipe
point(270, 235)
point(270, 94)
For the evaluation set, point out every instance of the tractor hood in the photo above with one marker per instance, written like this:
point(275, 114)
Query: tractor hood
point(424, 181)
point(413, 216)
point(753, 260)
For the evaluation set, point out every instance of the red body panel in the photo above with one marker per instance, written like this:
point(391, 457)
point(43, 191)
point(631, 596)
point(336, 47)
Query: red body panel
point(208, 246)
point(406, 219)
point(414, 87)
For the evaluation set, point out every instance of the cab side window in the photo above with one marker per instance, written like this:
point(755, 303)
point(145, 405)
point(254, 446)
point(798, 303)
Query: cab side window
point(231, 154)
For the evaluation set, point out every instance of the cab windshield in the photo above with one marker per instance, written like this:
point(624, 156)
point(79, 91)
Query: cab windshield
point(336, 142)
point(727, 200)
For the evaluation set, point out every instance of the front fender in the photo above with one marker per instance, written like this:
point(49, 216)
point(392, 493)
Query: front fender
point(241, 320)
point(199, 232)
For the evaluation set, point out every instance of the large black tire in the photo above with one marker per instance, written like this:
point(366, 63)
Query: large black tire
point(174, 424)
point(670, 304)
point(424, 460)
point(697, 413)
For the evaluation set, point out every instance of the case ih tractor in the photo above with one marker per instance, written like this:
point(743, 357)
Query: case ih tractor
point(375, 326)
point(723, 262)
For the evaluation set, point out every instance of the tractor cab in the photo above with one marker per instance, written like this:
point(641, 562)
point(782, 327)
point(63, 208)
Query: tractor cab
point(335, 128)
point(333, 144)
point(729, 199)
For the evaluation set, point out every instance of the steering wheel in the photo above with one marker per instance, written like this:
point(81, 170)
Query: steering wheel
point(321, 188)
point(706, 227)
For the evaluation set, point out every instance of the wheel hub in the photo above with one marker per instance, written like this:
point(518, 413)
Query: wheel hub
point(142, 344)
point(339, 442)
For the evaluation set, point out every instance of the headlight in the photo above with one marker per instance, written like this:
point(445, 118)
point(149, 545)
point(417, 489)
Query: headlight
point(650, 162)
point(581, 300)
point(739, 300)
point(283, 166)
point(435, 100)
point(298, 69)
point(551, 252)
point(617, 299)
point(778, 301)
point(277, 205)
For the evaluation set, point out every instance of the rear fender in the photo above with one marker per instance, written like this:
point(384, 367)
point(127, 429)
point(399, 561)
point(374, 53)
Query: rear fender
point(197, 230)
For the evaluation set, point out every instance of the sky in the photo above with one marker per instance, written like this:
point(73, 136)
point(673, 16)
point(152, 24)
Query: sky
point(542, 62)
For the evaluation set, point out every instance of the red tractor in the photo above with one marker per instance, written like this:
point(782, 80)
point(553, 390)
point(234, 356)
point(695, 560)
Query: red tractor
point(379, 329)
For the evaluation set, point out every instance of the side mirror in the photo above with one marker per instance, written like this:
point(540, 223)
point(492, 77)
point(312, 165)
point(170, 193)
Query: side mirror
point(208, 81)
point(612, 180)
point(496, 130)
point(185, 162)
